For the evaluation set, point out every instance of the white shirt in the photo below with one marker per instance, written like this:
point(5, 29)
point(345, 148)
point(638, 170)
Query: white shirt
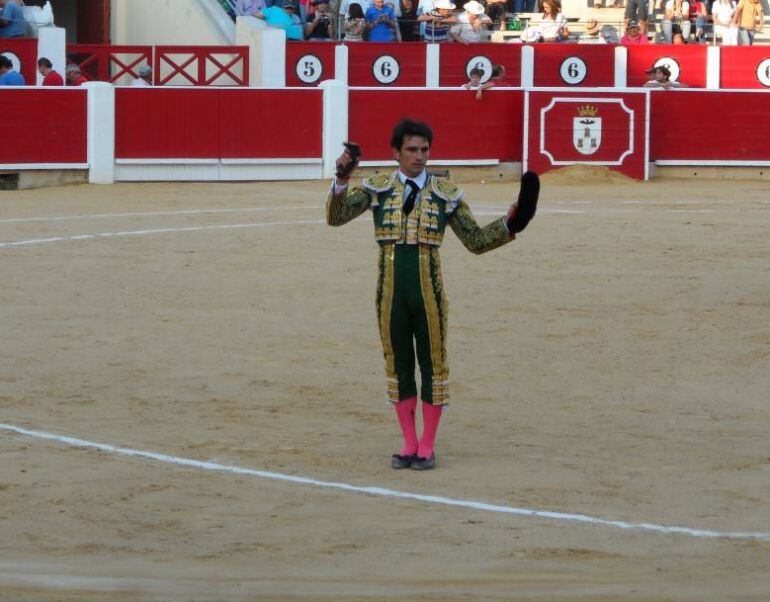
point(723, 11)
point(140, 83)
point(685, 9)
point(464, 30)
point(551, 28)
point(419, 180)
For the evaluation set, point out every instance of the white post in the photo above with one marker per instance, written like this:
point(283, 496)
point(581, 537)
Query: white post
point(335, 123)
point(341, 63)
point(267, 52)
point(713, 67)
point(101, 132)
point(432, 65)
point(52, 44)
point(621, 66)
point(527, 66)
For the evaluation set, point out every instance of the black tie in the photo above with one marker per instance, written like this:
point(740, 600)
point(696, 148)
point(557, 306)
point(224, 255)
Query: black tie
point(411, 197)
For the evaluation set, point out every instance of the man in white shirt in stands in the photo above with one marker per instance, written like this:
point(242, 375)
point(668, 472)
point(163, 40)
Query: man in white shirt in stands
point(145, 77)
point(470, 24)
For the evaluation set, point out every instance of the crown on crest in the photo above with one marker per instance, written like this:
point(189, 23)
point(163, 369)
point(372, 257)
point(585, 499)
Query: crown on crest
point(588, 110)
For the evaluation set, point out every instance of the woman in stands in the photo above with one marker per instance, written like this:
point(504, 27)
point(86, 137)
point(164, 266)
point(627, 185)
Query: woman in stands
point(676, 20)
point(553, 25)
point(355, 24)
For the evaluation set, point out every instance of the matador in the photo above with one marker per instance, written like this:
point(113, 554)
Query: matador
point(411, 209)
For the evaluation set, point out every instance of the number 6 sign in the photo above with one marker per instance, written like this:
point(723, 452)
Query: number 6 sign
point(386, 69)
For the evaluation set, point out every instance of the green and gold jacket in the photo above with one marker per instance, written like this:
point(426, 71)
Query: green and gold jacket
point(439, 203)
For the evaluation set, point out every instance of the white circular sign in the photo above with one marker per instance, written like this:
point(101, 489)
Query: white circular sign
point(669, 64)
point(309, 68)
point(763, 73)
point(15, 60)
point(479, 62)
point(386, 69)
point(573, 70)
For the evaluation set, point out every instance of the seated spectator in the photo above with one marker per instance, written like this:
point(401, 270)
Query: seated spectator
point(381, 22)
point(470, 24)
point(50, 77)
point(553, 24)
point(633, 36)
point(12, 23)
point(248, 8)
point(437, 19)
point(698, 15)
point(322, 25)
point(662, 79)
point(145, 77)
point(722, 12)
point(8, 75)
point(74, 76)
point(355, 24)
point(281, 15)
point(676, 19)
point(497, 9)
point(750, 19)
point(636, 10)
point(592, 33)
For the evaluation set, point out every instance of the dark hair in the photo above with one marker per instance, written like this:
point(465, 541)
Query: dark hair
point(476, 71)
point(497, 70)
point(5, 62)
point(355, 11)
point(44, 62)
point(409, 127)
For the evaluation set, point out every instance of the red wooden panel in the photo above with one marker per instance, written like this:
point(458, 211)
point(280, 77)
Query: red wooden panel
point(271, 123)
point(44, 126)
point(457, 59)
point(23, 54)
point(574, 65)
point(105, 63)
point(201, 65)
point(167, 123)
point(309, 63)
point(742, 133)
point(689, 61)
point(744, 67)
point(463, 127)
point(386, 64)
point(590, 128)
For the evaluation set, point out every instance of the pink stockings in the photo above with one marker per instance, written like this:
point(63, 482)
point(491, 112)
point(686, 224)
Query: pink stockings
point(406, 410)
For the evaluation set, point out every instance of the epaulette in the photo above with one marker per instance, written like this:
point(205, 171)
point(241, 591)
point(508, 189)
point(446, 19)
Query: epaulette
point(446, 190)
point(380, 182)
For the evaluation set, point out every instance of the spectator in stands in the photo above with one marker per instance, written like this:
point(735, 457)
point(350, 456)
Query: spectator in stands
point(407, 20)
point(662, 79)
point(470, 24)
point(12, 23)
point(592, 34)
point(321, 27)
point(676, 19)
point(553, 24)
point(8, 75)
point(750, 19)
point(699, 15)
point(145, 77)
point(722, 12)
point(346, 4)
point(633, 36)
point(50, 77)
point(474, 81)
point(636, 10)
point(497, 9)
point(355, 24)
point(248, 8)
point(438, 17)
point(282, 16)
point(74, 76)
point(381, 22)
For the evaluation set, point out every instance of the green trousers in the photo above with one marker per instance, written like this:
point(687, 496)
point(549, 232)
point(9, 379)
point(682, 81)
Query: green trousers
point(412, 316)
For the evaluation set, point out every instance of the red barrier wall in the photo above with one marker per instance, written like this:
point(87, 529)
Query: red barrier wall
point(457, 59)
point(682, 126)
point(210, 123)
point(744, 67)
point(574, 65)
point(688, 61)
point(463, 127)
point(44, 125)
point(386, 64)
point(23, 50)
point(309, 63)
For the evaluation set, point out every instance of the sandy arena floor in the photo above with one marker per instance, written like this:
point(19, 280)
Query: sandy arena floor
point(612, 362)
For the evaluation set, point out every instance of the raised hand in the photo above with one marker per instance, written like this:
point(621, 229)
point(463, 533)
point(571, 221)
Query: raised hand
point(348, 160)
point(521, 212)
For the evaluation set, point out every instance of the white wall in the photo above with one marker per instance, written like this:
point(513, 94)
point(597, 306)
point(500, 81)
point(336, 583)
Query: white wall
point(186, 22)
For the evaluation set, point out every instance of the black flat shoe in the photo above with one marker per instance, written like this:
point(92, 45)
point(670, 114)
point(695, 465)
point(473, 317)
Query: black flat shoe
point(423, 463)
point(398, 462)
